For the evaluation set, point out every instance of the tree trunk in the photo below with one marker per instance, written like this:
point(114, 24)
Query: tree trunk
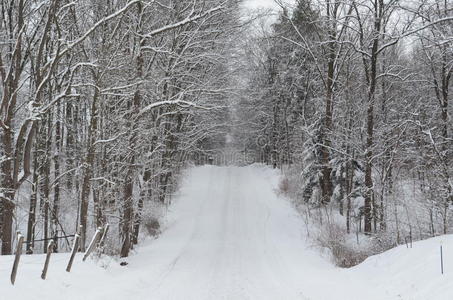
point(56, 198)
point(88, 169)
point(45, 174)
point(141, 201)
point(128, 209)
point(32, 211)
point(8, 196)
point(127, 215)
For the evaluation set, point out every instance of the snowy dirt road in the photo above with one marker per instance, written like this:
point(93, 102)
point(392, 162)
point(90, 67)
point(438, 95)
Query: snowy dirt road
point(232, 238)
point(228, 236)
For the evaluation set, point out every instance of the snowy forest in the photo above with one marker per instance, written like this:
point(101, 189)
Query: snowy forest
point(352, 101)
point(102, 101)
point(105, 103)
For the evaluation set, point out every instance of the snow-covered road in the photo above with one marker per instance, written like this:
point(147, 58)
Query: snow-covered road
point(228, 236)
point(233, 238)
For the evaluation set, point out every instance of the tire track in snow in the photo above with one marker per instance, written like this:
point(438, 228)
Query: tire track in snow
point(170, 267)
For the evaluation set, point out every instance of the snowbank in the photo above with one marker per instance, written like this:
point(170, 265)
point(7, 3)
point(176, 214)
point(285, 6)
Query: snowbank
point(412, 273)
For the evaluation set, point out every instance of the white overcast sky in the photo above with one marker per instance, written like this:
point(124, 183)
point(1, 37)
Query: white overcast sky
point(250, 7)
point(254, 4)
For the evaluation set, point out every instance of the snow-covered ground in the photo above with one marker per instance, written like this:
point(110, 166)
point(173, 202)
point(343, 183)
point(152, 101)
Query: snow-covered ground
point(229, 236)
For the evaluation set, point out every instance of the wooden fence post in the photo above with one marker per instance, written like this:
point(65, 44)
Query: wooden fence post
point(93, 243)
point(75, 248)
point(441, 260)
point(20, 241)
point(50, 249)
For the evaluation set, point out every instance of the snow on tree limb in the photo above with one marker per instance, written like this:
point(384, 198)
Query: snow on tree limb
point(187, 20)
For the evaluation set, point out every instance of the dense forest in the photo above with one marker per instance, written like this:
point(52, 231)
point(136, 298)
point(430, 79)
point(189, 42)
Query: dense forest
point(351, 99)
point(104, 103)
